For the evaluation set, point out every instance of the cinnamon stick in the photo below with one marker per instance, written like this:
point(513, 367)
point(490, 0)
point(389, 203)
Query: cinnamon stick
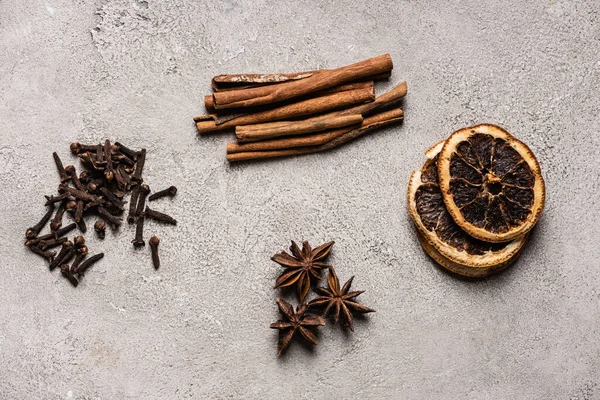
point(320, 80)
point(269, 130)
point(243, 81)
point(223, 114)
point(369, 124)
point(303, 108)
point(288, 142)
point(222, 83)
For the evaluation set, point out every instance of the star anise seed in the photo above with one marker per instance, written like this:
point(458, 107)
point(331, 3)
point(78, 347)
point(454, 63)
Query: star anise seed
point(301, 265)
point(299, 321)
point(341, 301)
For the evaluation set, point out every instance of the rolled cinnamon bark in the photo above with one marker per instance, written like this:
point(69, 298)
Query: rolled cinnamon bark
point(320, 80)
point(303, 108)
point(269, 130)
point(243, 81)
point(369, 124)
point(221, 83)
point(220, 115)
point(288, 142)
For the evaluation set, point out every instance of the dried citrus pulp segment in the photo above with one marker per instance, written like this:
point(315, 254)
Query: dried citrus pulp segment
point(442, 238)
point(491, 183)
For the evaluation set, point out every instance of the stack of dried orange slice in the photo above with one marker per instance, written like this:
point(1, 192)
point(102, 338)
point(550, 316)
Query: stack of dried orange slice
point(475, 200)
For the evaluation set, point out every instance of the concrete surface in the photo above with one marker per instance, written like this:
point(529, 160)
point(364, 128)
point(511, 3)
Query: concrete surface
point(136, 71)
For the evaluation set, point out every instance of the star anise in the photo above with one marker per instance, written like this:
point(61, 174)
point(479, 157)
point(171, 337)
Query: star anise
point(301, 265)
point(299, 321)
point(340, 300)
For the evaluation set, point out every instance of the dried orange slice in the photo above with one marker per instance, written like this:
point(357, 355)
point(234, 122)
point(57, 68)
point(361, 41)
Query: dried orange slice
point(442, 238)
point(461, 269)
point(491, 183)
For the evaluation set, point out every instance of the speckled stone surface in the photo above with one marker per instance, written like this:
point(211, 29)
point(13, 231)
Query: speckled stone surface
point(137, 71)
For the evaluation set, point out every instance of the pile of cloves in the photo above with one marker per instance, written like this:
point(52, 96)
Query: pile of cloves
point(110, 172)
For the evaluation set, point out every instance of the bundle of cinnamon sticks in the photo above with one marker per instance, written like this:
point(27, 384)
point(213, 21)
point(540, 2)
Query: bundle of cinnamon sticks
point(276, 115)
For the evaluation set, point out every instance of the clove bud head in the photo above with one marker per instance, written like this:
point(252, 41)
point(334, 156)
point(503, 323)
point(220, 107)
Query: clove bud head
point(154, 241)
point(71, 204)
point(79, 241)
point(70, 170)
point(75, 147)
point(100, 228)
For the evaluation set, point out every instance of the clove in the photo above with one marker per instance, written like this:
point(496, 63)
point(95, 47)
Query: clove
point(56, 222)
point(153, 242)
point(133, 200)
point(138, 241)
point(77, 148)
point(48, 255)
point(82, 226)
point(32, 232)
point(99, 156)
point(48, 244)
point(78, 211)
point(65, 229)
point(88, 263)
point(50, 200)
point(127, 151)
point(61, 170)
point(37, 240)
point(139, 166)
point(161, 217)
point(70, 170)
point(81, 254)
point(144, 190)
point(170, 191)
point(66, 272)
point(109, 173)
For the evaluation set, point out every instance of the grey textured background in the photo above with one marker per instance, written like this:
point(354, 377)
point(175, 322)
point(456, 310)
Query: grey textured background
point(136, 71)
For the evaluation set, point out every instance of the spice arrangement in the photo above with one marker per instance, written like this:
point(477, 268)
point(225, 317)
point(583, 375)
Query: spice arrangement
point(110, 171)
point(302, 268)
point(277, 115)
point(475, 200)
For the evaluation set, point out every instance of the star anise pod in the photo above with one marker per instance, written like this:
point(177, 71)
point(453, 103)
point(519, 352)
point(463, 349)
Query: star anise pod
point(301, 265)
point(341, 301)
point(299, 321)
